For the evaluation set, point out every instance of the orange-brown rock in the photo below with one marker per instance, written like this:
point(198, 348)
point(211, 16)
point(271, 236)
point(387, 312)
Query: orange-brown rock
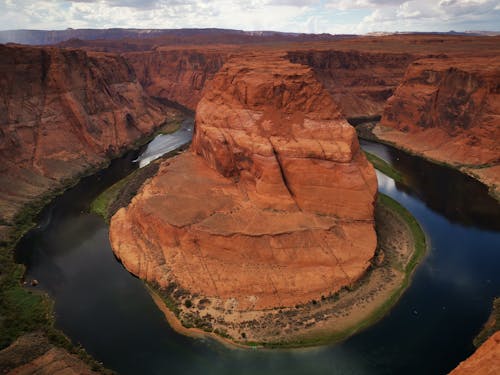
point(63, 112)
point(485, 360)
point(448, 110)
point(360, 82)
point(273, 205)
point(33, 354)
point(177, 75)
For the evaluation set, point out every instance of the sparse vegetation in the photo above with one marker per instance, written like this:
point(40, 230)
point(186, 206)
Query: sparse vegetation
point(491, 326)
point(384, 167)
point(174, 299)
point(120, 194)
point(24, 310)
point(420, 248)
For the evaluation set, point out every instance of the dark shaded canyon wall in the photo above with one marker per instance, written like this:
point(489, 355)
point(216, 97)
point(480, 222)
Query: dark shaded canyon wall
point(360, 82)
point(61, 113)
point(177, 75)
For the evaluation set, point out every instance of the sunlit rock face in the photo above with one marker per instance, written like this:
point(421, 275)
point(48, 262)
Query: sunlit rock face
point(63, 112)
point(273, 204)
point(448, 109)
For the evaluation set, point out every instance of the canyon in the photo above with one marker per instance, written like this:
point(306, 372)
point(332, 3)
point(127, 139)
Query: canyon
point(274, 190)
point(273, 165)
point(64, 112)
point(448, 111)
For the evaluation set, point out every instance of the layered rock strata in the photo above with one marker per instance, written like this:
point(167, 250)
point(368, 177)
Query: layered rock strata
point(360, 82)
point(63, 112)
point(448, 110)
point(177, 75)
point(273, 205)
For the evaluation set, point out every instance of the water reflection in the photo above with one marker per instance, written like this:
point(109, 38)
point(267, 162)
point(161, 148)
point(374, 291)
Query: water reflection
point(100, 305)
point(457, 196)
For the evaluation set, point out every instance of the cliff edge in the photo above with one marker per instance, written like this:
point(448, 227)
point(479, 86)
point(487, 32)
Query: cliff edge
point(448, 110)
point(273, 206)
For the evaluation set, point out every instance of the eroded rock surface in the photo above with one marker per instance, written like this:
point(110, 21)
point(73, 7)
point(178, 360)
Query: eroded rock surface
point(360, 82)
point(177, 75)
point(33, 354)
point(273, 205)
point(449, 110)
point(63, 112)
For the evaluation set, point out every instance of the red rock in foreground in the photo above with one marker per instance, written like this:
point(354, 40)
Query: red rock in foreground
point(273, 205)
point(484, 361)
point(448, 110)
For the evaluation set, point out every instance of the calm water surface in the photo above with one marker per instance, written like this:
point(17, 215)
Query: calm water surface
point(100, 305)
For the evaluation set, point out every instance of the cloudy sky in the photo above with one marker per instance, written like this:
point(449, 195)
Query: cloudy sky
point(332, 16)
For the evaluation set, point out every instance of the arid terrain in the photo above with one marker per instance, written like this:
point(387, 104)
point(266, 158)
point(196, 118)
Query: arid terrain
point(273, 205)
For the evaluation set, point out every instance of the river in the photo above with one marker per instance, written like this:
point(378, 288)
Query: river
point(109, 312)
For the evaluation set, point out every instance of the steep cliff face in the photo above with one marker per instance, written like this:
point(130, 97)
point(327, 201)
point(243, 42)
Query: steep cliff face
point(485, 361)
point(360, 82)
point(449, 110)
point(178, 75)
point(62, 112)
point(272, 207)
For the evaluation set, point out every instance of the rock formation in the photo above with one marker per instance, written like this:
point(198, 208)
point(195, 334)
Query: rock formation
point(63, 112)
point(485, 361)
point(177, 75)
point(273, 205)
point(448, 110)
point(360, 82)
point(33, 354)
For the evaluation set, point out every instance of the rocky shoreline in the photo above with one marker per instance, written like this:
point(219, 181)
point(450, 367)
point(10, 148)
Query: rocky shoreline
point(483, 174)
point(330, 319)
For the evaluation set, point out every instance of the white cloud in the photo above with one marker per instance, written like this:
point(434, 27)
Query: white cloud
point(336, 16)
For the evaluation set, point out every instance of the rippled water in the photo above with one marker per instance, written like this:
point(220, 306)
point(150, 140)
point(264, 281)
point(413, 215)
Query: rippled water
point(100, 305)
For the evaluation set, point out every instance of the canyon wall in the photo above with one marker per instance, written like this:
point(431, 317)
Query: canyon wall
point(360, 82)
point(63, 112)
point(448, 110)
point(273, 205)
point(177, 75)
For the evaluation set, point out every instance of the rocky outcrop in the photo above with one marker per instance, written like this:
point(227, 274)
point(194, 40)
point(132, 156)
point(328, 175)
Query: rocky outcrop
point(485, 361)
point(273, 205)
point(177, 75)
point(63, 112)
point(34, 354)
point(448, 110)
point(360, 82)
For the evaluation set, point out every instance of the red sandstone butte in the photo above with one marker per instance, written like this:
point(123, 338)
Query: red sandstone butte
point(448, 110)
point(485, 360)
point(272, 206)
